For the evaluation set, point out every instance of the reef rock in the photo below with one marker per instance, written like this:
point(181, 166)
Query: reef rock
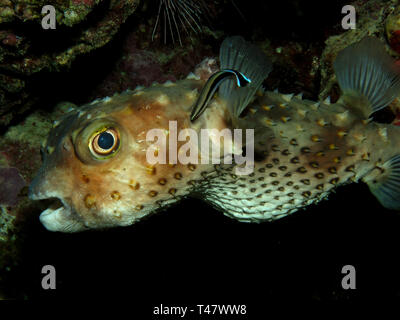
point(26, 49)
point(371, 19)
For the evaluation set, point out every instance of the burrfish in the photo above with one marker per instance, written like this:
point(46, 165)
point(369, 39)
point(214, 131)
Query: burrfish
point(96, 166)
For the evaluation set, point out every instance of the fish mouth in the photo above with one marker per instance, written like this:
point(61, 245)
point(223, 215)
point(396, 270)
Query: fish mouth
point(60, 216)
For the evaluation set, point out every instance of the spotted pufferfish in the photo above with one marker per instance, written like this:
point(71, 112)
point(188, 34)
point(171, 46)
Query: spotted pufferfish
point(95, 166)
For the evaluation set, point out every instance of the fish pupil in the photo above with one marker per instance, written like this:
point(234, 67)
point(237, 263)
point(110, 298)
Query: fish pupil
point(106, 140)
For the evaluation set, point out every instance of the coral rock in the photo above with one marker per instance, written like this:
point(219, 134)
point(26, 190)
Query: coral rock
point(26, 49)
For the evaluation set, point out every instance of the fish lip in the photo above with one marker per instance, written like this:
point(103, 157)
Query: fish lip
point(57, 205)
point(60, 216)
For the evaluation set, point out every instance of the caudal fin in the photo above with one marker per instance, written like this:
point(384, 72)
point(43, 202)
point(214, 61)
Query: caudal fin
point(242, 56)
point(384, 183)
point(365, 70)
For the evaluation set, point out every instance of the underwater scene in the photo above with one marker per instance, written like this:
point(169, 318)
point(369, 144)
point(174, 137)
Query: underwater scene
point(200, 158)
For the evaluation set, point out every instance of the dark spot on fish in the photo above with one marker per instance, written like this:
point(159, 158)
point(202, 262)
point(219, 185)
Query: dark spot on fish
point(115, 195)
point(305, 181)
point(172, 191)
point(252, 174)
point(162, 181)
point(320, 187)
point(301, 170)
point(252, 181)
point(350, 168)
point(153, 193)
point(275, 183)
point(315, 138)
point(279, 207)
point(139, 207)
point(276, 197)
point(253, 190)
point(291, 194)
point(314, 164)
point(285, 152)
point(134, 185)
point(334, 181)
point(90, 201)
point(319, 175)
point(269, 165)
point(320, 153)
point(178, 176)
point(263, 185)
point(293, 142)
point(306, 194)
point(273, 174)
point(261, 170)
point(191, 167)
point(289, 174)
point(151, 170)
point(295, 160)
point(85, 178)
point(332, 170)
point(291, 201)
point(290, 183)
point(261, 179)
point(305, 150)
point(275, 161)
point(365, 156)
point(282, 168)
point(281, 189)
point(296, 187)
point(268, 191)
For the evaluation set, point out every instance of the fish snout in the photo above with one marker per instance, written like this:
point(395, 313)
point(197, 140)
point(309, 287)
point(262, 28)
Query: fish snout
point(59, 216)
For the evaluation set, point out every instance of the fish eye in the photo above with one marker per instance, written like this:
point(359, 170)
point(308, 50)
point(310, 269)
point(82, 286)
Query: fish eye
point(104, 143)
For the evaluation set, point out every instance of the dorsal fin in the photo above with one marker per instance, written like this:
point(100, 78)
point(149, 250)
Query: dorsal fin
point(238, 54)
point(384, 183)
point(367, 75)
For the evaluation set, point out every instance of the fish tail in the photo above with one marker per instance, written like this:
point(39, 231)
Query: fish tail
point(368, 77)
point(384, 183)
point(242, 56)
